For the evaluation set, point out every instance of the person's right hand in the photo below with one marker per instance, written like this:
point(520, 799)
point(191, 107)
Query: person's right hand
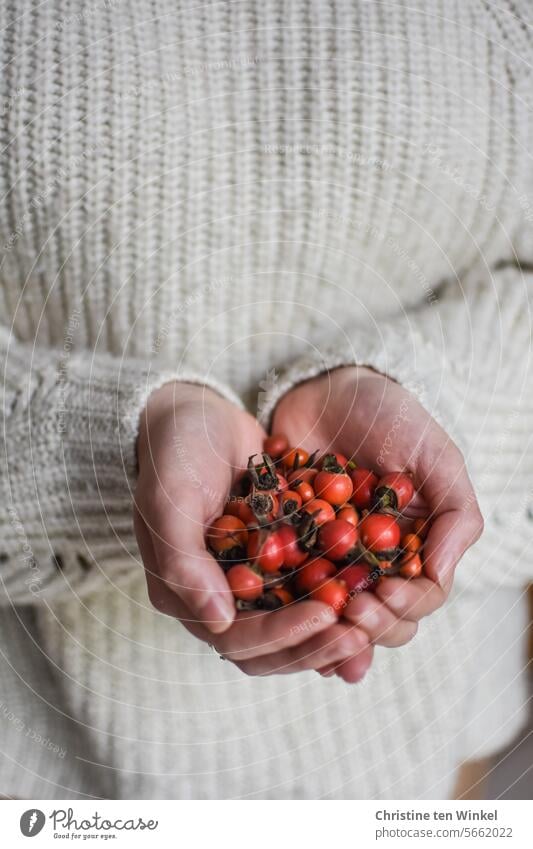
point(193, 445)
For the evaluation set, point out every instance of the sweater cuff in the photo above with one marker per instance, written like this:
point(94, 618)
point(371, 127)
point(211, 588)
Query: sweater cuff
point(72, 468)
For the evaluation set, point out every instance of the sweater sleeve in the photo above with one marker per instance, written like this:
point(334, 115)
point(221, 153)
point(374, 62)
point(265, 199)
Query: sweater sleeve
point(69, 466)
point(466, 355)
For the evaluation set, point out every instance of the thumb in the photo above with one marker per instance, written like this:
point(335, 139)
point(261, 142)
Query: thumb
point(184, 564)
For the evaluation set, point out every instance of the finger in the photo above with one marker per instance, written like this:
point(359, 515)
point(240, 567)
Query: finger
point(167, 602)
point(163, 599)
point(354, 669)
point(450, 535)
point(328, 671)
point(417, 507)
point(258, 633)
point(456, 521)
point(160, 596)
point(381, 625)
point(184, 564)
point(338, 643)
point(414, 599)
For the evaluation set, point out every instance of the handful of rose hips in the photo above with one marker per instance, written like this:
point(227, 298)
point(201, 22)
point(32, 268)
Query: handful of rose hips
point(301, 527)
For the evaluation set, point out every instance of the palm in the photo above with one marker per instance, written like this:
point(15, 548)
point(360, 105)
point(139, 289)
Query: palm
point(366, 417)
point(382, 426)
point(211, 453)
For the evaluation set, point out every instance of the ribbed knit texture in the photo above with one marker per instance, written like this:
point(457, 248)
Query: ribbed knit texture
point(243, 194)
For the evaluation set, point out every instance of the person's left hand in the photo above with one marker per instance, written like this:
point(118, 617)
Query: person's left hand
point(379, 424)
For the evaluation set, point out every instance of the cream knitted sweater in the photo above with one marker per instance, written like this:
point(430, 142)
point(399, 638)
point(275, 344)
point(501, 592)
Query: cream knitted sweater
point(243, 194)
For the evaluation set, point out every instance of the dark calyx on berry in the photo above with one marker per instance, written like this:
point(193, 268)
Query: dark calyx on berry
point(263, 476)
point(331, 464)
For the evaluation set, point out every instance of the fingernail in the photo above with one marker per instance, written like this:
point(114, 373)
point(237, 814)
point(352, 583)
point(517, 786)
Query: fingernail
point(217, 613)
point(445, 570)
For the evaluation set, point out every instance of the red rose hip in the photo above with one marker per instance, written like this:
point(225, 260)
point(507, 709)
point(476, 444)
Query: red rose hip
point(411, 566)
point(334, 487)
point(364, 484)
point(313, 574)
point(276, 445)
point(333, 593)
point(395, 490)
point(357, 578)
point(226, 532)
point(293, 554)
point(244, 583)
point(266, 550)
point(337, 539)
point(349, 514)
point(379, 532)
point(321, 510)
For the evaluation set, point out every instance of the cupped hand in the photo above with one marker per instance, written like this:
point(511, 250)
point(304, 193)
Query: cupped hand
point(193, 445)
point(378, 423)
